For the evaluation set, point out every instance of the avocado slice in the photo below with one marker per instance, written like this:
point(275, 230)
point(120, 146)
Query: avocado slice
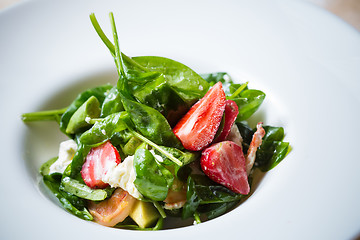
point(144, 214)
point(89, 109)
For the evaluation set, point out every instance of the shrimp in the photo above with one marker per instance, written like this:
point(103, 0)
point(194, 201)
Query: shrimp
point(113, 210)
point(176, 197)
point(255, 143)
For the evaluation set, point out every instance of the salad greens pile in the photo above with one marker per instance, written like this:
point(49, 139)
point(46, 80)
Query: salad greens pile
point(137, 117)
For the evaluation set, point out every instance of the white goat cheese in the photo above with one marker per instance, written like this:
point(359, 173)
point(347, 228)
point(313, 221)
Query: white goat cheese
point(123, 175)
point(67, 150)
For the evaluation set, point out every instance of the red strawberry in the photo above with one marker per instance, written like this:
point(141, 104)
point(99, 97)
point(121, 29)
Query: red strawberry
point(224, 163)
point(231, 112)
point(198, 127)
point(97, 163)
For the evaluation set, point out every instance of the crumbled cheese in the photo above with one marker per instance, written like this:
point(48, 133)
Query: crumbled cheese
point(67, 151)
point(123, 175)
point(226, 78)
point(103, 131)
point(201, 87)
point(88, 119)
point(157, 157)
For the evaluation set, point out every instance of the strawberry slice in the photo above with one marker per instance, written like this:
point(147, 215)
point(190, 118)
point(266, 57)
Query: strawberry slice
point(230, 113)
point(97, 163)
point(224, 163)
point(198, 127)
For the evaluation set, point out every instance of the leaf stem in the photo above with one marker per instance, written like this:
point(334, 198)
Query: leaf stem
point(111, 46)
point(197, 217)
point(49, 115)
point(102, 35)
point(118, 58)
point(238, 91)
point(160, 209)
point(154, 145)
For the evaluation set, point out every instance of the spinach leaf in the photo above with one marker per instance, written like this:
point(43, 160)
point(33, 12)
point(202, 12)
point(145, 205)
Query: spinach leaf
point(149, 179)
point(159, 95)
point(204, 195)
point(82, 190)
point(104, 129)
point(272, 150)
point(246, 133)
point(270, 154)
point(211, 192)
point(248, 102)
point(79, 159)
point(112, 103)
point(70, 202)
point(150, 123)
point(228, 85)
point(184, 156)
point(217, 209)
point(189, 85)
point(192, 200)
point(273, 133)
point(98, 92)
point(45, 167)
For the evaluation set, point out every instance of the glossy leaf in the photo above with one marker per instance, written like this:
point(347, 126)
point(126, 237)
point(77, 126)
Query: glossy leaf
point(150, 123)
point(81, 190)
point(70, 202)
point(248, 102)
point(272, 150)
point(112, 103)
point(189, 85)
point(103, 130)
point(228, 85)
point(192, 200)
point(98, 92)
point(149, 179)
point(78, 160)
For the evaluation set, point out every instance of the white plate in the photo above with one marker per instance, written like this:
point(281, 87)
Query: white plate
point(305, 59)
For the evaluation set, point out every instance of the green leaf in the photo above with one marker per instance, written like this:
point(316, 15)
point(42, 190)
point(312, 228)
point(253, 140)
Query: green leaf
point(149, 178)
point(223, 77)
point(272, 150)
point(79, 159)
point(270, 154)
point(45, 167)
point(150, 123)
point(273, 133)
point(189, 85)
point(192, 200)
point(112, 103)
point(81, 190)
point(248, 102)
point(211, 192)
point(104, 129)
point(217, 209)
point(70, 202)
point(98, 92)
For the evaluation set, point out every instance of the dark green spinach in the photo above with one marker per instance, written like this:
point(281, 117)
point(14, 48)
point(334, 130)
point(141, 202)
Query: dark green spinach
point(98, 92)
point(149, 178)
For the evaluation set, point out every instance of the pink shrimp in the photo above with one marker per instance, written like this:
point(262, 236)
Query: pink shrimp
point(255, 143)
point(113, 210)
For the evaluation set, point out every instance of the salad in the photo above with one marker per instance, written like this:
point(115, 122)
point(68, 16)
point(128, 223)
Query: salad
point(164, 141)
